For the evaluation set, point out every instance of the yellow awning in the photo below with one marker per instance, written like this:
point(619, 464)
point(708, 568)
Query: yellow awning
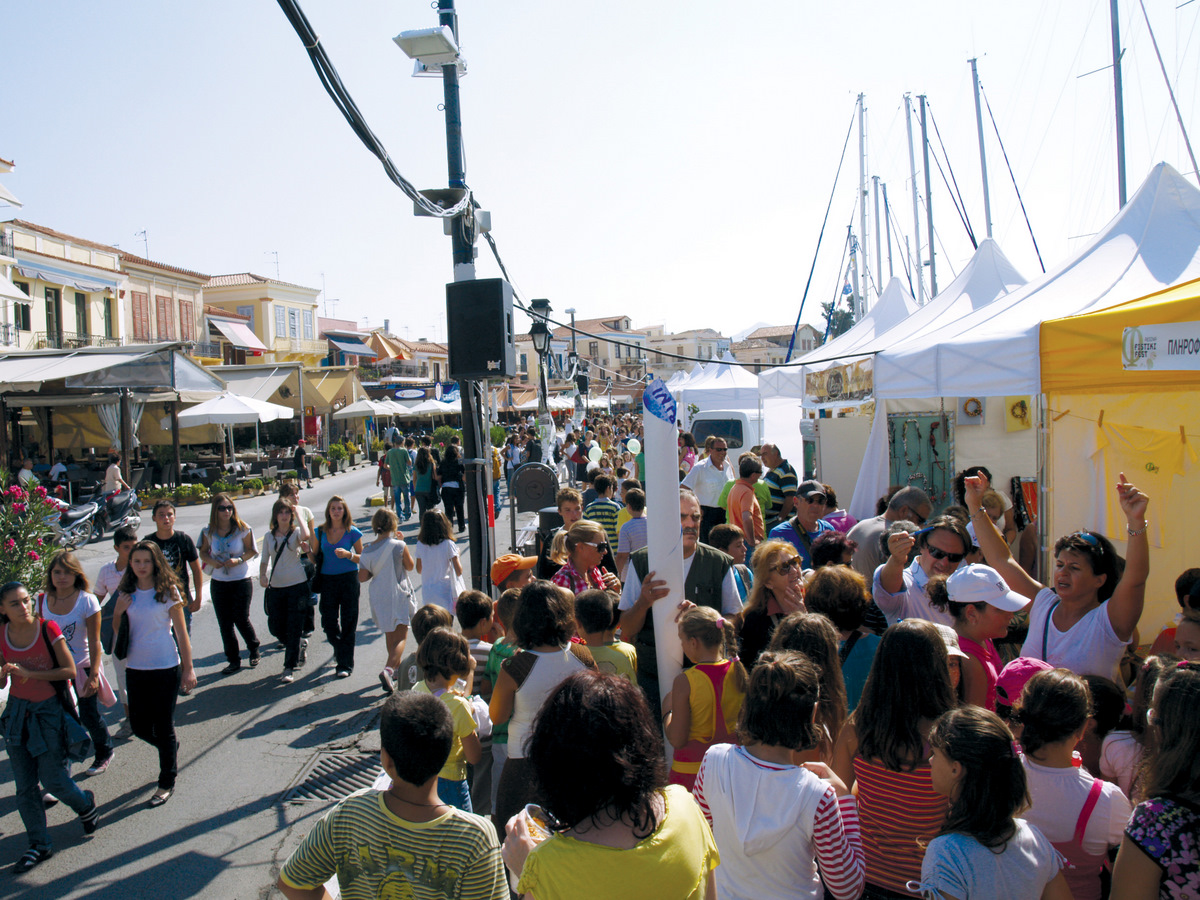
point(1083, 354)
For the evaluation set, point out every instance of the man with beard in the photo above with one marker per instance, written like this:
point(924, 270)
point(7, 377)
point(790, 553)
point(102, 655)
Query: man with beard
point(707, 581)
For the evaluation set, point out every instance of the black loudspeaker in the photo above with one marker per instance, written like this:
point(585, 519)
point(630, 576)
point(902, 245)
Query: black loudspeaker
point(479, 329)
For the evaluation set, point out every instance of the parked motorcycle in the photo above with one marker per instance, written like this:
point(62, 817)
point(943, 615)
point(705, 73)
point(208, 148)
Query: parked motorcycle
point(75, 525)
point(120, 508)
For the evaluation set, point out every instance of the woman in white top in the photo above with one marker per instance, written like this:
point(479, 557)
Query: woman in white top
point(385, 563)
point(65, 600)
point(287, 590)
point(159, 659)
point(543, 625)
point(1084, 621)
point(226, 546)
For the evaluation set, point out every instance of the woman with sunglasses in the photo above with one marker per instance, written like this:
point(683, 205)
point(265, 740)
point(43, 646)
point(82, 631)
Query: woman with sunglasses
point(900, 588)
point(777, 593)
point(1083, 621)
point(586, 546)
point(226, 547)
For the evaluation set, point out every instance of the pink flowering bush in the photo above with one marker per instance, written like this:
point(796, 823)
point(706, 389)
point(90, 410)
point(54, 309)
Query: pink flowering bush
point(25, 532)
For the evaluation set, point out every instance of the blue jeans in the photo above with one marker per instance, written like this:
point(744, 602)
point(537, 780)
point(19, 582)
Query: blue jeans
point(93, 721)
point(453, 793)
point(401, 495)
point(50, 768)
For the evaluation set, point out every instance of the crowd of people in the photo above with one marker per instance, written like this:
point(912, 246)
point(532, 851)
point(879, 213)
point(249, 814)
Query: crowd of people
point(877, 709)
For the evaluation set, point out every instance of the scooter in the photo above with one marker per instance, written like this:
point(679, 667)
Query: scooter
point(75, 525)
point(120, 508)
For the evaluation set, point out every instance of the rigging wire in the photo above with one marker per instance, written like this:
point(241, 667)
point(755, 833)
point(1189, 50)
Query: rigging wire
point(955, 194)
point(1013, 177)
point(792, 343)
point(1187, 141)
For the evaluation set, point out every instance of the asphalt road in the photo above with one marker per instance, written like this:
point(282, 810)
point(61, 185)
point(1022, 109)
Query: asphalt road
point(245, 740)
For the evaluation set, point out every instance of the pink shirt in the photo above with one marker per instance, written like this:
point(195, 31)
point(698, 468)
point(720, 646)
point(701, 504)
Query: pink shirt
point(990, 660)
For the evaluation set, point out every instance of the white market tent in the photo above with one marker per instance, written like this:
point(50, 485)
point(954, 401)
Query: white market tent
point(894, 306)
point(722, 386)
point(1153, 243)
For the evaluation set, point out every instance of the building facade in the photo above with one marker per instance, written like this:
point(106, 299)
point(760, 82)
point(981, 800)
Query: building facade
point(282, 316)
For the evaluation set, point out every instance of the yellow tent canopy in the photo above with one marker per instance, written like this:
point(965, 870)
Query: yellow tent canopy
point(1106, 412)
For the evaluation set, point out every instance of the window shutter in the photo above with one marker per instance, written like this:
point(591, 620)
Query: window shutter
point(141, 315)
point(162, 311)
point(185, 320)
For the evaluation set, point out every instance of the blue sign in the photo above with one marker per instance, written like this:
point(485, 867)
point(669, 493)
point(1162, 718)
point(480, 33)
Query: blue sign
point(658, 402)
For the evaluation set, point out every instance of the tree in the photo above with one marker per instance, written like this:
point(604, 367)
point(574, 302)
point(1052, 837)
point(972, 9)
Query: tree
point(837, 320)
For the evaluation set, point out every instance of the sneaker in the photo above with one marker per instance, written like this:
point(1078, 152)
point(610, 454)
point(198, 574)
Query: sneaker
point(343, 673)
point(125, 732)
point(386, 679)
point(288, 677)
point(32, 857)
point(100, 766)
point(303, 653)
point(231, 668)
point(91, 818)
point(48, 800)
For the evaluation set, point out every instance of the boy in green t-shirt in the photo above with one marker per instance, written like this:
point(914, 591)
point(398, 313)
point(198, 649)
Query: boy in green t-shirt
point(402, 842)
point(596, 618)
point(502, 648)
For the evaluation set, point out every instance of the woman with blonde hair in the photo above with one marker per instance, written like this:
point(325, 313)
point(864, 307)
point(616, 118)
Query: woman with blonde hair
point(226, 546)
point(584, 547)
point(778, 592)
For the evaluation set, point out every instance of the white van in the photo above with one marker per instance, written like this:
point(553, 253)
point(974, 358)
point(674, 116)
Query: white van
point(743, 429)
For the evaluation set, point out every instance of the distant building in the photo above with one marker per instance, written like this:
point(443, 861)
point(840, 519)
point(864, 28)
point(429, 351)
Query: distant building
point(282, 316)
point(607, 358)
point(697, 343)
point(807, 337)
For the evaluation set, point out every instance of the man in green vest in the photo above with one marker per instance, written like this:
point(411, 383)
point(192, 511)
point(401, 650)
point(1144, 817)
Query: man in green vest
point(707, 581)
point(400, 464)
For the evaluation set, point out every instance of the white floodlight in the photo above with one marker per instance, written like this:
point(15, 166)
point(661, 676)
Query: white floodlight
point(432, 47)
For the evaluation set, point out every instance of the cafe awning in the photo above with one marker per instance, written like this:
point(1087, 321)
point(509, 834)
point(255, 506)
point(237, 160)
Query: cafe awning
point(10, 291)
point(237, 334)
point(351, 347)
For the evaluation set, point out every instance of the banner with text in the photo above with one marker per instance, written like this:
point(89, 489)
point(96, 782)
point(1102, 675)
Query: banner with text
point(849, 383)
point(1168, 346)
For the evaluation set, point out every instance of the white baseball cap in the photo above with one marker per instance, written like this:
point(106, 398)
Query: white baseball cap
point(978, 583)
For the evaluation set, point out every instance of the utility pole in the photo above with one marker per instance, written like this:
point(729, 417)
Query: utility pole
point(887, 223)
point(912, 168)
point(1118, 96)
point(862, 200)
point(987, 200)
point(928, 202)
point(476, 449)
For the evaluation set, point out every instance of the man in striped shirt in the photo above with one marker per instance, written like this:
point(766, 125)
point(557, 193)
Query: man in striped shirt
point(780, 478)
point(604, 509)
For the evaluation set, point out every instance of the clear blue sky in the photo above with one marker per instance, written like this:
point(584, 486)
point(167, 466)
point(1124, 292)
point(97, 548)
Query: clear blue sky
point(671, 161)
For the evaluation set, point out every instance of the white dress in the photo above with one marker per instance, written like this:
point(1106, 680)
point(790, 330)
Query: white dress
point(440, 584)
point(391, 604)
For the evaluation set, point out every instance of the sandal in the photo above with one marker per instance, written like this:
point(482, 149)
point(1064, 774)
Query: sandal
point(32, 857)
point(161, 796)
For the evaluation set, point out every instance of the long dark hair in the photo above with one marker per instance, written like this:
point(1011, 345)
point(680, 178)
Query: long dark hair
point(65, 559)
point(1174, 767)
point(600, 725)
point(435, 528)
point(424, 460)
point(814, 635)
point(1053, 706)
point(166, 582)
point(992, 788)
point(909, 681)
point(235, 521)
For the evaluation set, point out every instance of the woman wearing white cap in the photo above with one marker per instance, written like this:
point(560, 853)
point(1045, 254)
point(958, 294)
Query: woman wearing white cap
point(982, 605)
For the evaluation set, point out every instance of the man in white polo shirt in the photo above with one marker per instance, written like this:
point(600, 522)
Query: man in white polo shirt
point(707, 479)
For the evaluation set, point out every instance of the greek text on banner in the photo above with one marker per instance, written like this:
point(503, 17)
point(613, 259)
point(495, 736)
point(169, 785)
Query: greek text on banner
point(1169, 346)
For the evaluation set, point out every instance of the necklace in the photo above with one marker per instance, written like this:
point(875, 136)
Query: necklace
point(414, 802)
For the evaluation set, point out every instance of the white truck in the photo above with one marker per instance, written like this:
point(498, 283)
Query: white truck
point(742, 429)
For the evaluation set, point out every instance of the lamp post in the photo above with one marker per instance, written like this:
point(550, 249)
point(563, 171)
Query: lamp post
point(539, 333)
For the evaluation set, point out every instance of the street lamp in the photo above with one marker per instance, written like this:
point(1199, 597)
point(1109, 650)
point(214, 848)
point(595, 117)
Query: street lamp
point(539, 333)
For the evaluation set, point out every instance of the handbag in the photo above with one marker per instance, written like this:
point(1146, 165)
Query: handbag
point(317, 581)
point(121, 644)
point(106, 625)
point(78, 741)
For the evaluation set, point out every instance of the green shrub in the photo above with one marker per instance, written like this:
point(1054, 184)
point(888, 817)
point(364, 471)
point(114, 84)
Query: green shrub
point(442, 435)
point(337, 452)
point(221, 487)
point(377, 445)
point(252, 484)
point(497, 435)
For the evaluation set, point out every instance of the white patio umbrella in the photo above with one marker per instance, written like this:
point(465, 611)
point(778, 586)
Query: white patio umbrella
point(233, 409)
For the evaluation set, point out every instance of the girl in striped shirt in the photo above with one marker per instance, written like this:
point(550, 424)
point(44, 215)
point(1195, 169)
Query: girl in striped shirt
point(774, 821)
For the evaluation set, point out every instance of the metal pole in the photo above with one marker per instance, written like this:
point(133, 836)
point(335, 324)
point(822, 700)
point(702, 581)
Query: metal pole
point(983, 156)
point(854, 272)
point(175, 442)
point(887, 223)
point(878, 230)
point(126, 432)
point(912, 168)
point(862, 199)
point(1118, 96)
point(476, 452)
point(928, 202)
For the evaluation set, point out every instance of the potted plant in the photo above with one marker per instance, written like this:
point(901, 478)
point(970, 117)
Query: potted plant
point(253, 486)
point(376, 449)
point(337, 455)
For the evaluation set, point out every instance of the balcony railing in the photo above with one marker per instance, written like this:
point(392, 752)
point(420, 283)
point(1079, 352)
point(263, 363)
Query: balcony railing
point(6, 246)
point(205, 349)
point(67, 340)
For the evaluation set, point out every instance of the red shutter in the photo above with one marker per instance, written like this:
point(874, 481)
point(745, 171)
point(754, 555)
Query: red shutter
point(163, 311)
point(185, 320)
point(141, 315)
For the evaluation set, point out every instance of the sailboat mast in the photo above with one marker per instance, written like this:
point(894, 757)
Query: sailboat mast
point(862, 198)
point(987, 200)
point(878, 231)
point(928, 201)
point(887, 223)
point(1118, 95)
point(912, 168)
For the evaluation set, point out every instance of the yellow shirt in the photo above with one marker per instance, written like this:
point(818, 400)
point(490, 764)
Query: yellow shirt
point(616, 658)
point(455, 768)
point(672, 862)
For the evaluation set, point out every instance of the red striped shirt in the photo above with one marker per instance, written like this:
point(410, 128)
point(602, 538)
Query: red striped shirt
point(899, 813)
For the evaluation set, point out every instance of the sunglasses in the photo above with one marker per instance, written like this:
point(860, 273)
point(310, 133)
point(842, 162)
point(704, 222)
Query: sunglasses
point(224, 509)
point(942, 554)
point(792, 562)
point(602, 546)
point(720, 449)
point(1089, 539)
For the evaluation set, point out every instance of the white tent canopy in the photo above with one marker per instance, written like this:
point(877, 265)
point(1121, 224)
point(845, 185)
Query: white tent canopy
point(1152, 243)
point(363, 409)
point(723, 386)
